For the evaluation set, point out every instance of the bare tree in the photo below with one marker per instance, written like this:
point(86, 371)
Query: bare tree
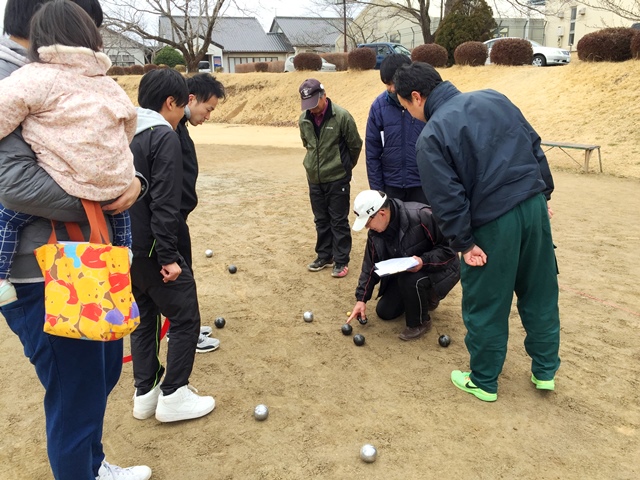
point(185, 25)
point(416, 11)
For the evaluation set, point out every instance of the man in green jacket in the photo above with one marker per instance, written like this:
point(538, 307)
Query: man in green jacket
point(333, 145)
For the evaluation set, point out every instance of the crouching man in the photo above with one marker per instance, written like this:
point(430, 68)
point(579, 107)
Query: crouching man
point(398, 229)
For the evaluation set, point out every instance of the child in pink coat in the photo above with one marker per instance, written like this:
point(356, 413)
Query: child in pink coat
point(78, 121)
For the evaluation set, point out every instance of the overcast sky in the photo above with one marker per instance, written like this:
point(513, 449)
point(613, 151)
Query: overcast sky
point(265, 14)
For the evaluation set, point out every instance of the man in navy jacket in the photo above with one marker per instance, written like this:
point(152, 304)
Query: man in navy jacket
point(488, 182)
point(391, 139)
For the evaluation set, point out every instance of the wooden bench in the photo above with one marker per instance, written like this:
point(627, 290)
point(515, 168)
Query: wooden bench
point(588, 150)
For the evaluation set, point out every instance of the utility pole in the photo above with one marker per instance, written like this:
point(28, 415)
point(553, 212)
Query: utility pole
point(344, 24)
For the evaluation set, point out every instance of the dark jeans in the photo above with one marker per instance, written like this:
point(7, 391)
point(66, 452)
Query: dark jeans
point(520, 259)
point(177, 301)
point(77, 376)
point(411, 194)
point(330, 203)
point(408, 293)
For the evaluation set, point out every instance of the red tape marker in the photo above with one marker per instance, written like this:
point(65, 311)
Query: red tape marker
point(163, 333)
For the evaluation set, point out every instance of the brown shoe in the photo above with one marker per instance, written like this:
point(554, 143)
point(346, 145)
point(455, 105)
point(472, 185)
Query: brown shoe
point(411, 333)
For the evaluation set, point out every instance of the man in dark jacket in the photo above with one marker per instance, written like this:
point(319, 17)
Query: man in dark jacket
point(333, 145)
point(204, 94)
point(163, 282)
point(489, 182)
point(391, 140)
point(398, 229)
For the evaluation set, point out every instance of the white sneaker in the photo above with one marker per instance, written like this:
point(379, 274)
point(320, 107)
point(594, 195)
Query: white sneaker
point(113, 472)
point(207, 344)
point(144, 406)
point(206, 331)
point(7, 293)
point(183, 404)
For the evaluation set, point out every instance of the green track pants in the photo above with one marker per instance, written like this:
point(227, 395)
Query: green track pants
point(520, 259)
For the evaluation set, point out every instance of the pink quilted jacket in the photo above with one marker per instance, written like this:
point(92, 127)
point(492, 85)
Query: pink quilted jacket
point(78, 121)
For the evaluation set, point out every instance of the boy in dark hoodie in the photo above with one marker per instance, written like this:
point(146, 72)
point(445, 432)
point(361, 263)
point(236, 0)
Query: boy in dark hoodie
point(163, 282)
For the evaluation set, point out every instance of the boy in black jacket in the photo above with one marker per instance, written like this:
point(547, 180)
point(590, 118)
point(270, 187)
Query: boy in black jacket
point(163, 282)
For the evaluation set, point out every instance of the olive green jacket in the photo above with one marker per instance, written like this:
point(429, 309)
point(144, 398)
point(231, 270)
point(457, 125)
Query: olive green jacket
point(334, 150)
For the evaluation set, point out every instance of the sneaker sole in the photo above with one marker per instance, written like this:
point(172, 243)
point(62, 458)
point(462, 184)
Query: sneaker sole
point(548, 385)
point(319, 268)
point(143, 415)
point(177, 417)
point(208, 349)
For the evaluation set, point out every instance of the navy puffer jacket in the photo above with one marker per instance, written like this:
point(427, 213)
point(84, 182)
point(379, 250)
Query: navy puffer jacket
point(390, 145)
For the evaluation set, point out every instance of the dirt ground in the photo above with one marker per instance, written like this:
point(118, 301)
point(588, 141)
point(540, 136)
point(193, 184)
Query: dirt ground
point(328, 397)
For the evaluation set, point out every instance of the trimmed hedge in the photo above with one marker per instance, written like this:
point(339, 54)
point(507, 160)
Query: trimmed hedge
point(607, 45)
point(635, 46)
point(340, 60)
point(431, 53)
point(136, 70)
point(363, 58)
point(150, 66)
point(473, 54)
point(512, 51)
point(262, 67)
point(307, 61)
point(245, 67)
point(276, 67)
point(115, 70)
point(181, 68)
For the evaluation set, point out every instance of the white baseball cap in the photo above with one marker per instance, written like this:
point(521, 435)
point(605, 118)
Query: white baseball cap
point(366, 205)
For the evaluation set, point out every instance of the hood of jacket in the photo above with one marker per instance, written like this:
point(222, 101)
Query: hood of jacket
point(438, 96)
point(148, 119)
point(12, 56)
point(80, 59)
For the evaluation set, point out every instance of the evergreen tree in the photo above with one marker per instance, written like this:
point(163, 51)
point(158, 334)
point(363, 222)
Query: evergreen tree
point(469, 20)
point(168, 56)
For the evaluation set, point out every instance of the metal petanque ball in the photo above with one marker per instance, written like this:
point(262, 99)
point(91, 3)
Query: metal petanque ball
point(346, 329)
point(444, 340)
point(358, 340)
point(308, 316)
point(208, 253)
point(261, 412)
point(368, 453)
point(220, 322)
point(233, 269)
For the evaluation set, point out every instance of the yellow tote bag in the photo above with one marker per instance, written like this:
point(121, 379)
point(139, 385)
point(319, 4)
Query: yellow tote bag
point(87, 284)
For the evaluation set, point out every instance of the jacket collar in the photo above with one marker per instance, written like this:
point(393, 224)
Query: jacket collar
point(439, 95)
point(84, 60)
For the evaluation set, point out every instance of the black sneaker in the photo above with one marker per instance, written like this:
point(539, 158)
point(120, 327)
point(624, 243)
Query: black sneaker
point(320, 263)
point(340, 271)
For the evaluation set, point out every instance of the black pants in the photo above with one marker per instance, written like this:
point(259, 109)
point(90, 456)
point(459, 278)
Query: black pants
point(184, 242)
point(408, 293)
point(177, 301)
point(330, 203)
point(411, 194)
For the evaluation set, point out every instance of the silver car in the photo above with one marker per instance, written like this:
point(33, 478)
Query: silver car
point(326, 66)
point(542, 56)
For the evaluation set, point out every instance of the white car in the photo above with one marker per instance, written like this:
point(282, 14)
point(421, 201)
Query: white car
point(326, 66)
point(542, 56)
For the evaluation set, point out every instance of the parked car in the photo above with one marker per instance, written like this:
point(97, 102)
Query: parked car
point(204, 66)
point(382, 49)
point(326, 66)
point(542, 56)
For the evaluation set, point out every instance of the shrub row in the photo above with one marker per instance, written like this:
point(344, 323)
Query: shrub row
point(272, 67)
point(133, 69)
point(473, 54)
point(340, 60)
point(431, 53)
point(307, 61)
point(512, 51)
point(609, 45)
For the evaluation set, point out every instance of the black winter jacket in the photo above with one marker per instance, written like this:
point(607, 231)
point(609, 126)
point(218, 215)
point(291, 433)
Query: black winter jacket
point(189, 170)
point(418, 235)
point(155, 218)
point(478, 158)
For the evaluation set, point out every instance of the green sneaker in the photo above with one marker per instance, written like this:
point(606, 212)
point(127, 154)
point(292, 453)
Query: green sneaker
point(463, 382)
point(544, 384)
